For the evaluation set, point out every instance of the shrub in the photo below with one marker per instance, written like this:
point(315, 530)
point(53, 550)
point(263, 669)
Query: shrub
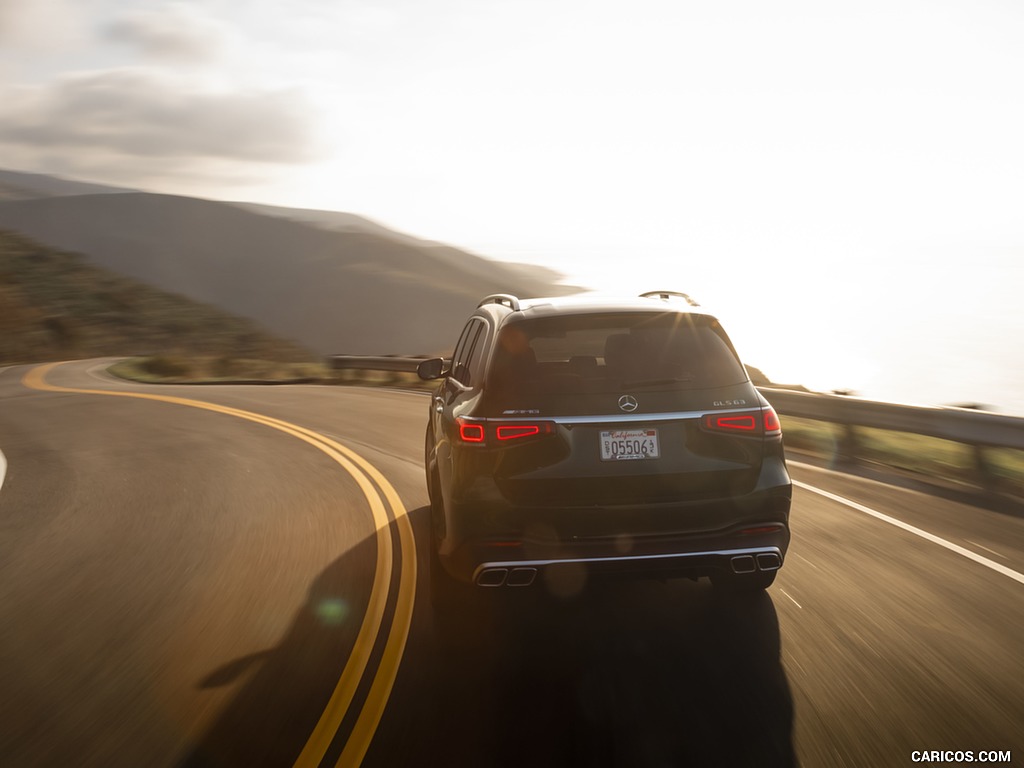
point(166, 365)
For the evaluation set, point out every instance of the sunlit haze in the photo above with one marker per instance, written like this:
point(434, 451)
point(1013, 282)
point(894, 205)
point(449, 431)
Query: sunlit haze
point(841, 182)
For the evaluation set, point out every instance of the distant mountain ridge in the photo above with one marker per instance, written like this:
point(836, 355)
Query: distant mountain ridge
point(350, 222)
point(337, 221)
point(357, 288)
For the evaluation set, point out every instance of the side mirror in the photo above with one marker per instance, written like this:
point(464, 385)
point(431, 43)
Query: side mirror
point(431, 369)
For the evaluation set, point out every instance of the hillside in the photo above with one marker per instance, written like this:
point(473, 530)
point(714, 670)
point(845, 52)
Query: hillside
point(55, 306)
point(350, 291)
point(18, 185)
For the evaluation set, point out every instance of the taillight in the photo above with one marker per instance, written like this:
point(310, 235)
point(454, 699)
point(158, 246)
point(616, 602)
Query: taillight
point(514, 431)
point(484, 431)
point(763, 422)
point(471, 433)
point(731, 422)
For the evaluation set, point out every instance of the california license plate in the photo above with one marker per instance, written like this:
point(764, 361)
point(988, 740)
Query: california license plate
point(627, 444)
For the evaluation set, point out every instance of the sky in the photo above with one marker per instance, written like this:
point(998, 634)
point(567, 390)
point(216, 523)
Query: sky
point(843, 183)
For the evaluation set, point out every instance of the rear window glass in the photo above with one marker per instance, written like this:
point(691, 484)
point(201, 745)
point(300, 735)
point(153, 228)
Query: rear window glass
point(609, 352)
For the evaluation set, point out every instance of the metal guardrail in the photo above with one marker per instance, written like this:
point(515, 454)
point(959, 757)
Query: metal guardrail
point(977, 430)
point(371, 363)
point(961, 425)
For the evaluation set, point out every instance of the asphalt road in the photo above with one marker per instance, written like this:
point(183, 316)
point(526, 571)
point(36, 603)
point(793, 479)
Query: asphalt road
point(187, 586)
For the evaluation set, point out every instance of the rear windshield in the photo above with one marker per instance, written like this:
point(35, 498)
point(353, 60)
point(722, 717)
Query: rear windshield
point(609, 352)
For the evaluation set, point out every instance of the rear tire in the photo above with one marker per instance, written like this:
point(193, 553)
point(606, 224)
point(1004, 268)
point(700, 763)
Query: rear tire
point(448, 596)
point(455, 603)
point(457, 607)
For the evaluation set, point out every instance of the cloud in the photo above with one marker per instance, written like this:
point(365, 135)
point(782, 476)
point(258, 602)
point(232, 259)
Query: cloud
point(145, 114)
point(43, 24)
point(174, 32)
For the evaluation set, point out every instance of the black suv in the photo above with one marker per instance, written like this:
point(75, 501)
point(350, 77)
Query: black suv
point(574, 437)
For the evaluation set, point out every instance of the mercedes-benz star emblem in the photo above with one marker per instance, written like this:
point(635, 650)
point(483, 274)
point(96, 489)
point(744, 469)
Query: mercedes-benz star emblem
point(628, 403)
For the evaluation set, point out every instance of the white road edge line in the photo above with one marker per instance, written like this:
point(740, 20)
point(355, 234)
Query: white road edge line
point(982, 546)
point(997, 567)
point(791, 598)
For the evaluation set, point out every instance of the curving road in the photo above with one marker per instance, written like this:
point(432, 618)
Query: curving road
point(229, 576)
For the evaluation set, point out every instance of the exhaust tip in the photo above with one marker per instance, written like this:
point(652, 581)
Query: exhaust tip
point(743, 564)
point(521, 577)
point(769, 561)
point(492, 577)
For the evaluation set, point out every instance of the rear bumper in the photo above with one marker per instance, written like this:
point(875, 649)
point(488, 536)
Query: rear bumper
point(521, 573)
point(541, 549)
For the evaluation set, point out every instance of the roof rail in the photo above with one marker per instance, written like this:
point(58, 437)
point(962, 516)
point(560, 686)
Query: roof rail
point(505, 299)
point(669, 295)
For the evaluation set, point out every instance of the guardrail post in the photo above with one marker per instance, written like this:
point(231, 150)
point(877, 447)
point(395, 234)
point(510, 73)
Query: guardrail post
point(848, 448)
point(983, 474)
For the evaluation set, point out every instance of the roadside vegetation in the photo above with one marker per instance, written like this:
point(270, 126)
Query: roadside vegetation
point(55, 305)
point(175, 369)
point(179, 369)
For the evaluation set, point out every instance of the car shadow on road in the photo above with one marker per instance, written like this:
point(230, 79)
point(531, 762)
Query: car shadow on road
point(637, 673)
point(624, 673)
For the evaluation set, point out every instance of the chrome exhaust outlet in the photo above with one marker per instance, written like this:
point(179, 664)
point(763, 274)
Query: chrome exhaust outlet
point(743, 564)
point(492, 577)
point(521, 577)
point(769, 561)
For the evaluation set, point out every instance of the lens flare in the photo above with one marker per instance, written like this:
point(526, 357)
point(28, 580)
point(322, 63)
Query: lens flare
point(332, 611)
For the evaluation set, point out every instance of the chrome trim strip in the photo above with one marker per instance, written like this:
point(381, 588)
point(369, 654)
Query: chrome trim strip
point(623, 559)
point(611, 418)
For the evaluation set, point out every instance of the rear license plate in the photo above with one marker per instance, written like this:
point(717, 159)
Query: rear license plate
point(626, 444)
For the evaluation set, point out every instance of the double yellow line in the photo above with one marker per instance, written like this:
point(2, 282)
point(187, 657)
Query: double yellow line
point(366, 476)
